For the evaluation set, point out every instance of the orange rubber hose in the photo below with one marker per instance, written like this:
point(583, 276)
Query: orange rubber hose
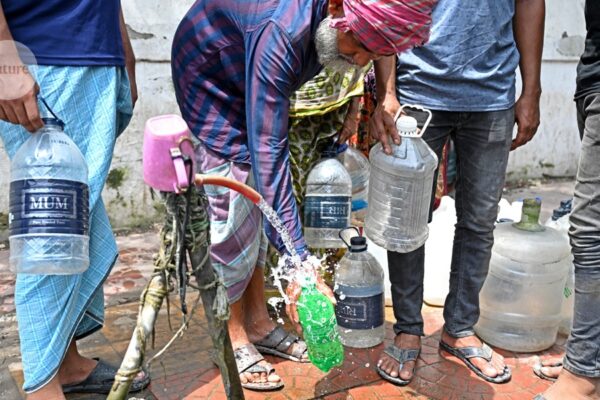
point(245, 190)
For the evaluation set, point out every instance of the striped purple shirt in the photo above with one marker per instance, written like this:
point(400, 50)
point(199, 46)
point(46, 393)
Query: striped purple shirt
point(235, 64)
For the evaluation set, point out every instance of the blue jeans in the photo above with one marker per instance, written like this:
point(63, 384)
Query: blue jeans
point(482, 141)
point(583, 347)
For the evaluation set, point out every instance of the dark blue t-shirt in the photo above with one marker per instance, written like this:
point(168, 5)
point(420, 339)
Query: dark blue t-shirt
point(68, 32)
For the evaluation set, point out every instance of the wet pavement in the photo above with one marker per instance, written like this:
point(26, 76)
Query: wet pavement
point(186, 371)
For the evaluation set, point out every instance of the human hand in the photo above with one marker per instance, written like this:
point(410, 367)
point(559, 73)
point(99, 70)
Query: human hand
point(18, 103)
point(527, 118)
point(382, 125)
point(350, 125)
point(293, 292)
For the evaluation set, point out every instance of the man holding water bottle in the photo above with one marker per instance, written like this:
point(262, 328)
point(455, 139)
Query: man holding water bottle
point(466, 76)
point(86, 73)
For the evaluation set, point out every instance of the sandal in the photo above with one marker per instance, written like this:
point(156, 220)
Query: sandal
point(537, 370)
point(485, 352)
point(101, 379)
point(278, 342)
point(247, 359)
point(402, 356)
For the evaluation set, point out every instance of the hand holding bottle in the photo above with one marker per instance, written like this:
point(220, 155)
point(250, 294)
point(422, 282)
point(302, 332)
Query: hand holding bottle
point(294, 289)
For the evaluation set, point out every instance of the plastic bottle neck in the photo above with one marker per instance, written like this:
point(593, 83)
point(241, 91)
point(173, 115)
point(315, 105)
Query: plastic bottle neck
point(530, 215)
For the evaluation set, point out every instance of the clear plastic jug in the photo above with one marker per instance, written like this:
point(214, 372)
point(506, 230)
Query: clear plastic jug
point(357, 165)
point(400, 188)
point(360, 308)
point(49, 204)
point(560, 222)
point(327, 202)
point(521, 299)
point(438, 253)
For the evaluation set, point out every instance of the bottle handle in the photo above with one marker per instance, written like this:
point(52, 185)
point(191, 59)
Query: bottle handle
point(416, 107)
point(345, 229)
point(50, 110)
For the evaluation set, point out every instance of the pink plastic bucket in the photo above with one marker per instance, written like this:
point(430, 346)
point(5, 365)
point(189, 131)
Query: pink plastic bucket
point(167, 141)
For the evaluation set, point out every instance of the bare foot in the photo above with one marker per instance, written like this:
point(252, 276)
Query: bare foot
point(573, 387)
point(492, 368)
point(390, 366)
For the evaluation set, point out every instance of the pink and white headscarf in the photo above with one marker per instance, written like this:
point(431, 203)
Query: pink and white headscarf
point(387, 26)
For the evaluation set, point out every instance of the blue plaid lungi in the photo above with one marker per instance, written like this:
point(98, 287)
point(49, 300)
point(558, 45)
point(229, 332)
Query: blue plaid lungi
point(95, 104)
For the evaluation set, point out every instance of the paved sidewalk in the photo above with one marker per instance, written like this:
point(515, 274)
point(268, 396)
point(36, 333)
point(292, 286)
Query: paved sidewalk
point(186, 370)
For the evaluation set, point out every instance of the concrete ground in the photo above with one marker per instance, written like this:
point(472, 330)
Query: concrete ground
point(186, 371)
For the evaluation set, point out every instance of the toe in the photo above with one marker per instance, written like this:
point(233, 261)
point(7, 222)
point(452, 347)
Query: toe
point(273, 378)
point(407, 370)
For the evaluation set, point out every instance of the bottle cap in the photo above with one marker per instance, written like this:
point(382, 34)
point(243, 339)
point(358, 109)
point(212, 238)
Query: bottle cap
point(358, 244)
point(48, 121)
point(406, 125)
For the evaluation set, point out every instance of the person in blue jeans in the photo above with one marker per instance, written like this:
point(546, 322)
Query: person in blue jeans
point(466, 75)
point(579, 373)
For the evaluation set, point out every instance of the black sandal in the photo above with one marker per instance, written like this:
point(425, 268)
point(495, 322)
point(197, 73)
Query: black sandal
point(485, 352)
point(101, 379)
point(277, 343)
point(247, 359)
point(401, 356)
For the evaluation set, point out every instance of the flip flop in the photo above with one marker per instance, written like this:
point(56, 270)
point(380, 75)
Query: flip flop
point(466, 353)
point(401, 356)
point(101, 379)
point(278, 342)
point(537, 370)
point(247, 359)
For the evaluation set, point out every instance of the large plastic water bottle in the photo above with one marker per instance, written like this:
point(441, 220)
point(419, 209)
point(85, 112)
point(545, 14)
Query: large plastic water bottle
point(357, 165)
point(560, 222)
point(327, 203)
point(49, 205)
point(400, 188)
point(317, 318)
point(360, 308)
point(521, 299)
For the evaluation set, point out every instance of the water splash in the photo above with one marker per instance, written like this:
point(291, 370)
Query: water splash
point(272, 217)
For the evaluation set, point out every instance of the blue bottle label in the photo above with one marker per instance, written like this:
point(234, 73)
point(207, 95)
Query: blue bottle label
point(326, 211)
point(359, 308)
point(48, 206)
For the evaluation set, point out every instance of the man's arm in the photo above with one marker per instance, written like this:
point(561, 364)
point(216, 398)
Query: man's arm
point(382, 124)
point(18, 90)
point(129, 57)
point(270, 73)
point(528, 25)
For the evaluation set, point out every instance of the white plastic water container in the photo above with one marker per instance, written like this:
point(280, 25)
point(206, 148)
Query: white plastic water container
point(359, 291)
point(400, 188)
point(560, 222)
point(357, 165)
point(521, 299)
point(327, 203)
point(438, 253)
point(49, 205)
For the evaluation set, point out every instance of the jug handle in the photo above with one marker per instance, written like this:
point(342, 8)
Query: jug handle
point(181, 162)
point(345, 229)
point(416, 107)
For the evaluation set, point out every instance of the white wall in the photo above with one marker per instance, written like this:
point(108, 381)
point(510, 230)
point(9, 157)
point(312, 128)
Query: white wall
point(152, 23)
